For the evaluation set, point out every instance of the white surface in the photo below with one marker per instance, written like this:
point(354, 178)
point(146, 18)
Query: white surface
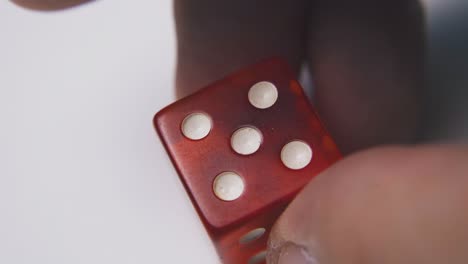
point(263, 95)
point(228, 186)
point(246, 140)
point(296, 155)
point(196, 126)
point(83, 177)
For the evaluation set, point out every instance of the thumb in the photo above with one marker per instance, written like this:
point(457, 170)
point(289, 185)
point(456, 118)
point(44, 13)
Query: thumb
point(388, 205)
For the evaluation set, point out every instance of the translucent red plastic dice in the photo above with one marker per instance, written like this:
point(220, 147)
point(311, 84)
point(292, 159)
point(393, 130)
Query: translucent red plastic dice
point(244, 147)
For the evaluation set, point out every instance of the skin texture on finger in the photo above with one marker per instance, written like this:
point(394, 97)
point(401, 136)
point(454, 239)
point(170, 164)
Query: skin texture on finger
point(367, 63)
point(49, 5)
point(218, 37)
point(387, 205)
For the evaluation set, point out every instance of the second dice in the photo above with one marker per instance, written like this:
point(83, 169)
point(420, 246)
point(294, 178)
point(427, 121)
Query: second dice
point(244, 147)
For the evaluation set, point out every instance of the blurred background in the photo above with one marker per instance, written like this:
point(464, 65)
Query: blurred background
point(447, 113)
point(83, 178)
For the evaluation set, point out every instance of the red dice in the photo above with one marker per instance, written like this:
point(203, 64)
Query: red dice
point(244, 147)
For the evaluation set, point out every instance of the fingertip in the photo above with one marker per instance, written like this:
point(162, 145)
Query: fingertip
point(291, 253)
point(49, 5)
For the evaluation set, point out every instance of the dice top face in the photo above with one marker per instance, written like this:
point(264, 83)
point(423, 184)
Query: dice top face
point(245, 143)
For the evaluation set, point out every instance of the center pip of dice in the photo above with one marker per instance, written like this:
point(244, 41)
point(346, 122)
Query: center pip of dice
point(243, 147)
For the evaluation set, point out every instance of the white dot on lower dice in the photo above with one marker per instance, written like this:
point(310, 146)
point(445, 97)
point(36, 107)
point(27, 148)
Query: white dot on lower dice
point(296, 155)
point(196, 126)
point(246, 140)
point(263, 95)
point(228, 186)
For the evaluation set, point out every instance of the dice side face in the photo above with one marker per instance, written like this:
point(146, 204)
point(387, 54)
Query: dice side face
point(237, 245)
point(268, 183)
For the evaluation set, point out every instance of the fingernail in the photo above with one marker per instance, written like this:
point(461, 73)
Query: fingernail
point(293, 254)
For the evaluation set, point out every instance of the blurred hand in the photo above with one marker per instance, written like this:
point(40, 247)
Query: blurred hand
point(385, 205)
